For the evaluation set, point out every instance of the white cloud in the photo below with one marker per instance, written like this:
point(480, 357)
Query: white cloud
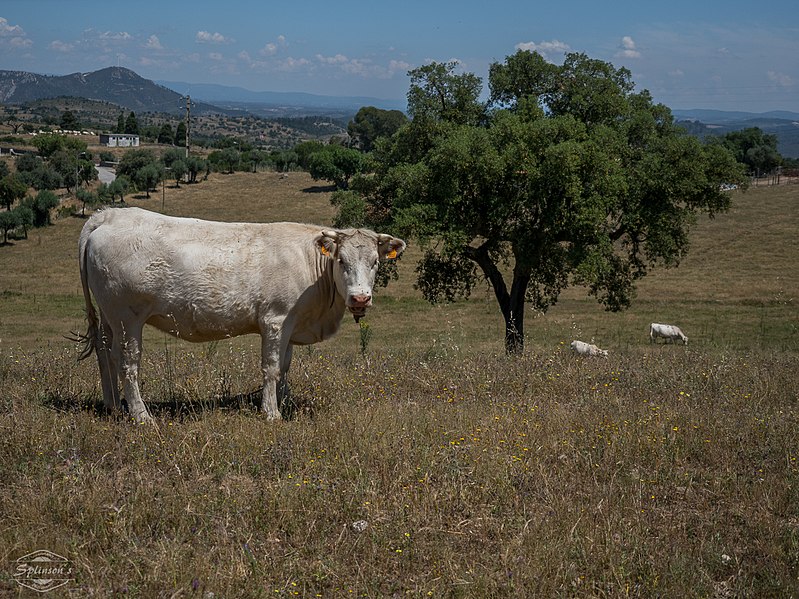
point(677, 73)
point(293, 64)
point(20, 42)
point(60, 46)
point(780, 79)
point(7, 30)
point(13, 35)
point(272, 48)
point(398, 65)
point(153, 43)
point(118, 36)
point(545, 49)
point(206, 37)
point(627, 48)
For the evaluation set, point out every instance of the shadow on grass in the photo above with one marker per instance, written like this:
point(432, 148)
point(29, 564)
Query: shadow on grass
point(319, 189)
point(178, 409)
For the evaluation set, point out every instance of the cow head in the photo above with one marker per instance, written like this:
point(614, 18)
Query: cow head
point(355, 254)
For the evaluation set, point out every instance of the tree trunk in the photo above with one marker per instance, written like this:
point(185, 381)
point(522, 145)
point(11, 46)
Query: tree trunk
point(510, 303)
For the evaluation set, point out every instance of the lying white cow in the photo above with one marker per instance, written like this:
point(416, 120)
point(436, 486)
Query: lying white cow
point(587, 349)
point(205, 281)
point(668, 331)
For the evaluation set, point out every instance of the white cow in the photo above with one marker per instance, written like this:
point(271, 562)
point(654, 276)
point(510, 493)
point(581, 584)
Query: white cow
point(587, 349)
point(204, 281)
point(669, 332)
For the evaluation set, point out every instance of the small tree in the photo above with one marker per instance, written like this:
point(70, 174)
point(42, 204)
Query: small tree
point(119, 187)
point(120, 128)
point(195, 166)
point(87, 198)
point(66, 165)
point(178, 170)
point(12, 188)
point(336, 164)
point(147, 177)
point(41, 205)
point(180, 135)
point(370, 124)
point(69, 122)
point(24, 217)
point(9, 220)
point(165, 134)
point(131, 124)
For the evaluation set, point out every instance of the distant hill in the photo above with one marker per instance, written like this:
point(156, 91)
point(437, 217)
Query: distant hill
point(117, 85)
point(222, 94)
point(782, 123)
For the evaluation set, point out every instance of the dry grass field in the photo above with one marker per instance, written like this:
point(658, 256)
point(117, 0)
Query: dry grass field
point(421, 461)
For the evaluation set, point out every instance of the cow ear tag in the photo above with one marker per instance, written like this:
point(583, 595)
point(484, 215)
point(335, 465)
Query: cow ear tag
point(391, 255)
point(324, 250)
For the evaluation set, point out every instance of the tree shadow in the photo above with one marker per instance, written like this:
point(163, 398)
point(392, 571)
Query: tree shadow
point(180, 409)
point(319, 189)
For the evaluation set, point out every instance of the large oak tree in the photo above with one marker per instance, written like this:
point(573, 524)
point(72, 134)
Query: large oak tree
point(566, 175)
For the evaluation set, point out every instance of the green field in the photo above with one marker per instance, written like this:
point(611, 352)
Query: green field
point(662, 471)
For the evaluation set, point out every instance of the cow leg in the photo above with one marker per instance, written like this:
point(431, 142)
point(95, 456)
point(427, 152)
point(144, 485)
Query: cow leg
point(109, 367)
point(283, 389)
point(130, 349)
point(272, 350)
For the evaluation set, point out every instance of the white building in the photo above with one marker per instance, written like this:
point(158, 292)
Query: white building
point(119, 140)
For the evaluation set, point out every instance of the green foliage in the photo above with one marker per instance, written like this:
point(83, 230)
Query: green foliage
point(351, 209)
point(41, 205)
point(118, 187)
point(754, 148)
point(9, 220)
point(147, 177)
point(305, 150)
point(131, 124)
point(43, 177)
point(133, 160)
point(438, 94)
point(285, 160)
point(12, 188)
point(65, 163)
point(4, 170)
point(370, 124)
point(178, 171)
point(180, 134)
point(336, 164)
point(87, 199)
point(196, 165)
point(69, 121)
point(165, 134)
point(224, 161)
point(567, 176)
point(24, 217)
point(48, 143)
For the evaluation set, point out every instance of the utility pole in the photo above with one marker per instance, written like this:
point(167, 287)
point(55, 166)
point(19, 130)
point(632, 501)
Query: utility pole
point(188, 123)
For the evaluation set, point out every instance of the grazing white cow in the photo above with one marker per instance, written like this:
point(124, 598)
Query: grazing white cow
point(587, 349)
point(204, 281)
point(669, 332)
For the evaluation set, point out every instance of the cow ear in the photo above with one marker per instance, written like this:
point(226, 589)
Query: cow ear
point(389, 247)
point(327, 242)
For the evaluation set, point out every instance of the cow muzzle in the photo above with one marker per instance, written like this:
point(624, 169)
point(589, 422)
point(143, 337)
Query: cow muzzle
point(357, 305)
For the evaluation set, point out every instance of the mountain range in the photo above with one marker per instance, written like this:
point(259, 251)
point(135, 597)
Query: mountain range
point(127, 89)
point(117, 85)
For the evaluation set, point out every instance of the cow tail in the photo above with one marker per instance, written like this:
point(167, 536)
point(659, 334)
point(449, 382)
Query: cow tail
point(89, 340)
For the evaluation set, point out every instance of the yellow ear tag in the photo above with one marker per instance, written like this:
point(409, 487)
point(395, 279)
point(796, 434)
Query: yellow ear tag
point(391, 255)
point(324, 250)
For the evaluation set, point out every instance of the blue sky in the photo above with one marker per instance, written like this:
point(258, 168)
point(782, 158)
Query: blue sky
point(732, 55)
